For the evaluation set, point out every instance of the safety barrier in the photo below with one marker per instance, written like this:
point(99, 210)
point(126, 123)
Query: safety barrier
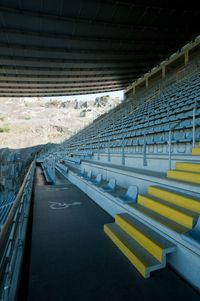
point(12, 239)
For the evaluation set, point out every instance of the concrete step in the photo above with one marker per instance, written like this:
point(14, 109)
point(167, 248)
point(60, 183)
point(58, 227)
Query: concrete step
point(189, 167)
point(196, 151)
point(154, 243)
point(142, 260)
point(177, 198)
point(184, 176)
point(177, 214)
point(159, 218)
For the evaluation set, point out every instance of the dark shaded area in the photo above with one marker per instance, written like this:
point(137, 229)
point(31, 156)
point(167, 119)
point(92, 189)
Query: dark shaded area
point(23, 287)
point(78, 47)
point(14, 164)
point(72, 259)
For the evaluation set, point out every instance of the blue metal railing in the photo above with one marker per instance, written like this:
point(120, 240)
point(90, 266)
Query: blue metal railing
point(12, 239)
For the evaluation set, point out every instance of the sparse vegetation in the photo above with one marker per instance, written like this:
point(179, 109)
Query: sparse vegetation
point(27, 117)
point(31, 122)
point(5, 128)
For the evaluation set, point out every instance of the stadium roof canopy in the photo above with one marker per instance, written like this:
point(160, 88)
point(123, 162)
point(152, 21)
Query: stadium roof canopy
point(67, 47)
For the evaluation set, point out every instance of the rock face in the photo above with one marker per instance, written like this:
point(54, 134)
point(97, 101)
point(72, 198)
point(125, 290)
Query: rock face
point(25, 122)
point(13, 167)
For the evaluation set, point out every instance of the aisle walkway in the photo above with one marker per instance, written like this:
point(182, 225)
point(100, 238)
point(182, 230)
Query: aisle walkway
point(72, 259)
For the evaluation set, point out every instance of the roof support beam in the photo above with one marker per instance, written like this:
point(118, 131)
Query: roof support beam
point(136, 49)
point(79, 20)
point(90, 38)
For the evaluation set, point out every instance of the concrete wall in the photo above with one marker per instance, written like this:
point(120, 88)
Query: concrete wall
point(156, 162)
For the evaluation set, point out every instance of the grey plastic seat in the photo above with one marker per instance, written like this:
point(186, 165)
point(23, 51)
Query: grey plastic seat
point(110, 187)
point(189, 136)
point(149, 139)
point(193, 236)
point(179, 136)
point(82, 173)
point(88, 175)
point(158, 138)
point(130, 195)
point(97, 180)
point(186, 124)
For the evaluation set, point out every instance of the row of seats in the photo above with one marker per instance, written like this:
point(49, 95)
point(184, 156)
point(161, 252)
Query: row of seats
point(73, 160)
point(122, 195)
point(6, 203)
point(130, 122)
point(47, 174)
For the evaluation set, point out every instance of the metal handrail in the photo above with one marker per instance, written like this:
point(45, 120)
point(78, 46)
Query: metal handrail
point(170, 140)
point(146, 132)
point(11, 237)
point(174, 126)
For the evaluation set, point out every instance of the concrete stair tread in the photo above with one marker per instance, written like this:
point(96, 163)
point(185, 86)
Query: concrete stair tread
point(138, 255)
point(173, 206)
point(185, 171)
point(172, 181)
point(160, 219)
point(196, 151)
point(176, 197)
point(184, 176)
point(148, 232)
point(179, 192)
point(189, 163)
point(190, 172)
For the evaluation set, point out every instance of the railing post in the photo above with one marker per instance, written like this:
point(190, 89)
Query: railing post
point(144, 152)
point(123, 155)
point(109, 153)
point(169, 143)
point(193, 126)
point(98, 153)
point(12, 237)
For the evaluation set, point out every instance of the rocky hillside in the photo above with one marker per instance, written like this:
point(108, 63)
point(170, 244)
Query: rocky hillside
point(26, 122)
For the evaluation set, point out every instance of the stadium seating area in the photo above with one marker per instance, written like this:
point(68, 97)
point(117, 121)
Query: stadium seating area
point(166, 201)
point(132, 125)
point(6, 202)
point(130, 180)
point(174, 211)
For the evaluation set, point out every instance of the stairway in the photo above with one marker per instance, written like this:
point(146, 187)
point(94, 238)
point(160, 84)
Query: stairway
point(177, 210)
point(196, 150)
point(173, 209)
point(187, 172)
point(145, 248)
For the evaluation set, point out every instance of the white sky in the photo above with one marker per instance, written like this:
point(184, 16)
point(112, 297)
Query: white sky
point(88, 96)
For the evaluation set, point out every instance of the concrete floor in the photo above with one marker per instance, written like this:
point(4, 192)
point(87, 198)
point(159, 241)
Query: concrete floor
point(69, 257)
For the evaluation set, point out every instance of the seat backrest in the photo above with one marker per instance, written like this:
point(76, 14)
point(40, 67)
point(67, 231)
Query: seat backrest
point(89, 174)
point(83, 171)
point(99, 178)
point(112, 183)
point(132, 192)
